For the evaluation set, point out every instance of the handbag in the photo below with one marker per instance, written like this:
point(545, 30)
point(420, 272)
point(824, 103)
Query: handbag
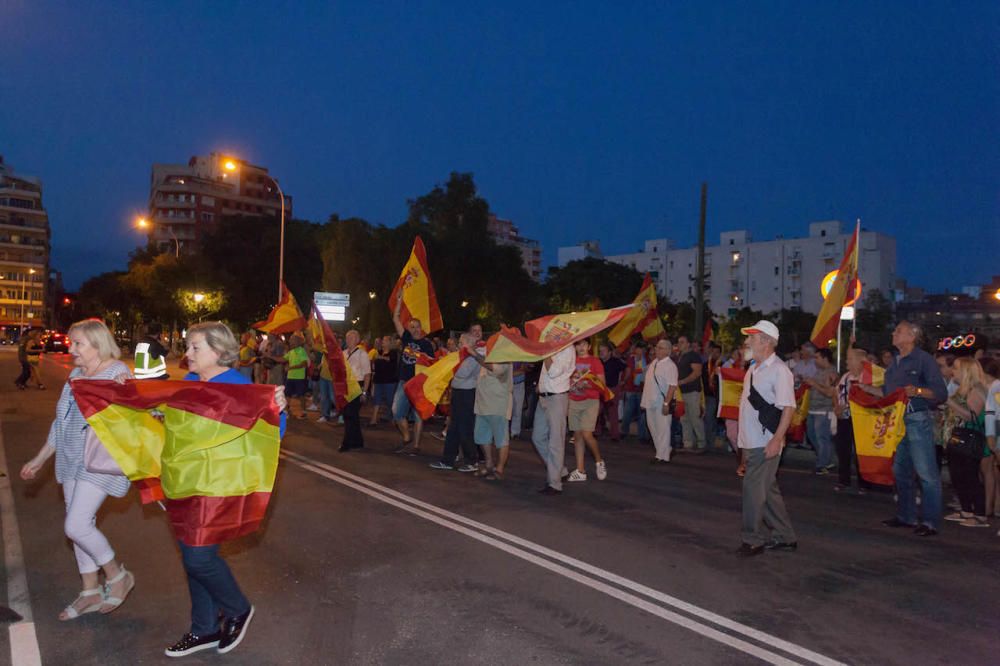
point(967, 443)
point(96, 458)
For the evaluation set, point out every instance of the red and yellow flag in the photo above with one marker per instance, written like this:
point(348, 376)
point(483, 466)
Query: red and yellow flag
point(415, 288)
point(345, 385)
point(797, 430)
point(642, 318)
point(598, 383)
point(871, 374)
point(430, 380)
point(730, 392)
point(214, 456)
point(549, 334)
point(878, 428)
point(841, 292)
point(285, 317)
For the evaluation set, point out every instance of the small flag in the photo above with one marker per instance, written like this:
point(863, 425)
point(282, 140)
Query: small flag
point(797, 430)
point(345, 385)
point(730, 392)
point(871, 374)
point(547, 335)
point(415, 288)
point(430, 379)
point(596, 382)
point(841, 292)
point(706, 336)
point(285, 317)
point(642, 318)
point(878, 428)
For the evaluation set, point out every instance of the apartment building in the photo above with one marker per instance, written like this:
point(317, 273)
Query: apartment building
point(504, 232)
point(24, 252)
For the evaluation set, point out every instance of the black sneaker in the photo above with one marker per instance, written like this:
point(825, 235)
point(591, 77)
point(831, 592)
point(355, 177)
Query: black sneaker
point(189, 644)
point(746, 550)
point(789, 546)
point(896, 522)
point(549, 490)
point(233, 631)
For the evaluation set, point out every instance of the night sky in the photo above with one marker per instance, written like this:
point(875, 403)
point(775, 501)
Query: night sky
point(579, 120)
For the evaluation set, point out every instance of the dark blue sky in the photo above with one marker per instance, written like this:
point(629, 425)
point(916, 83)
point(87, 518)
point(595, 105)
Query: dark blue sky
point(579, 120)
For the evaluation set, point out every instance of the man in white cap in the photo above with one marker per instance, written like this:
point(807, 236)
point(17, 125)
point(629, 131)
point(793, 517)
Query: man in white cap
point(766, 409)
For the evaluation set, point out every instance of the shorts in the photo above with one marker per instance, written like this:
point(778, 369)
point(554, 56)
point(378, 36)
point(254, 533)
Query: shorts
point(401, 407)
point(491, 429)
point(384, 393)
point(583, 415)
point(295, 388)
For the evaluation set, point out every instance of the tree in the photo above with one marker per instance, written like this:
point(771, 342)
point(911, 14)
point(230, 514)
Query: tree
point(874, 321)
point(795, 327)
point(589, 283)
point(729, 335)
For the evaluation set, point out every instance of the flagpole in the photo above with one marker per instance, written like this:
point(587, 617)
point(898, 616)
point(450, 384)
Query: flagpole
point(857, 272)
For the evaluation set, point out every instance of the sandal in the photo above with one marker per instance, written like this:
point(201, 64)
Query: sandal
point(115, 602)
point(482, 472)
point(72, 613)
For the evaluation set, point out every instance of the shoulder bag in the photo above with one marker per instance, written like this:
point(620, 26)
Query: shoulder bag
point(96, 458)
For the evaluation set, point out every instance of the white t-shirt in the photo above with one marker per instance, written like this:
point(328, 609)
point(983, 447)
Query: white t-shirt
point(556, 378)
point(361, 365)
point(992, 408)
point(661, 375)
point(774, 381)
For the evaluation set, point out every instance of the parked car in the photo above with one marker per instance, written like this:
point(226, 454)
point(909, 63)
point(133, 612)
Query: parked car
point(55, 343)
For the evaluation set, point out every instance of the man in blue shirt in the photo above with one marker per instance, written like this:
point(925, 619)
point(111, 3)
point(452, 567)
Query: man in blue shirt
point(915, 371)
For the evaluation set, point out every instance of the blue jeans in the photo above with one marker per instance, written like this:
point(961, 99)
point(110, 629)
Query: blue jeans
point(631, 413)
point(916, 455)
point(212, 587)
point(818, 426)
point(326, 397)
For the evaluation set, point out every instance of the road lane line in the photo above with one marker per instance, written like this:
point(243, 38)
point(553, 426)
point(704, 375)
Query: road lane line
point(520, 548)
point(24, 649)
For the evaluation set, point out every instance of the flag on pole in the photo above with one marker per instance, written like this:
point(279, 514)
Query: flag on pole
point(878, 428)
point(642, 318)
point(730, 392)
point(415, 288)
point(430, 379)
point(706, 336)
point(547, 335)
point(871, 374)
point(286, 317)
point(797, 429)
point(214, 455)
point(840, 293)
point(345, 385)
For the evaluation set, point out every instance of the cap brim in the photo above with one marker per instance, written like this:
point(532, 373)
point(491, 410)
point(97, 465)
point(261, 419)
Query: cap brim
point(748, 331)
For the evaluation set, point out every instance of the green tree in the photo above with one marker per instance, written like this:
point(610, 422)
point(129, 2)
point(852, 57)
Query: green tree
point(874, 324)
point(591, 283)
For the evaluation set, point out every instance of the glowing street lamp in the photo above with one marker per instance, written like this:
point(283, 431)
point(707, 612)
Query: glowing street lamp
point(144, 224)
point(198, 297)
point(371, 295)
point(24, 297)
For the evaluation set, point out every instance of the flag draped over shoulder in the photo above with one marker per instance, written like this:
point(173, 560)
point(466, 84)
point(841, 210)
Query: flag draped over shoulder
point(431, 378)
point(872, 374)
point(878, 428)
point(642, 318)
point(841, 292)
point(415, 288)
point(797, 429)
point(215, 453)
point(345, 385)
point(547, 335)
point(730, 392)
point(285, 317)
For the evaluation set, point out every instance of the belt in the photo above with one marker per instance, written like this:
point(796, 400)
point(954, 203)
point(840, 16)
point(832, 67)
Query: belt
point(547, 395)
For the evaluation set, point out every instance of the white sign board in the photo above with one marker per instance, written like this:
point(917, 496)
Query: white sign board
point(332, 306)
point(847, 313)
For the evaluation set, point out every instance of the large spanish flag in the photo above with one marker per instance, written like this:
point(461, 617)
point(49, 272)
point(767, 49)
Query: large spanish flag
point(842, 291)
point(642, 318)
point(215, 452)
point(730, 392)
point(878, 428)
point(430, 380)
point(415, 288)
point(285, 317)
point(797, 430)
point(345, 385)
point(550, 334)
point(871, 374)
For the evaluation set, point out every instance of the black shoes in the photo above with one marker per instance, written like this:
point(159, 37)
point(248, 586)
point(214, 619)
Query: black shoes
point(896, 522)
point(549, 490)
point(925, 530)
point(746, 550)
point(189, 644)
point(787, 546)
point(233, 631)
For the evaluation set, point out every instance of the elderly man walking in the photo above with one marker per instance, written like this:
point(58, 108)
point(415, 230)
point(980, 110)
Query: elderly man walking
point(766, 408)
point(549, 431)
point(355, 356)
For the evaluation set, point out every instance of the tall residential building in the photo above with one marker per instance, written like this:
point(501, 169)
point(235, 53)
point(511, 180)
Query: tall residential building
point(24, 252)
point(588, 248)
point(186, 201)
point(505, 233)
point(767, 275)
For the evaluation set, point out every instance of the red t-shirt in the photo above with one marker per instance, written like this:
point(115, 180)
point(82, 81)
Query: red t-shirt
point(584, 390)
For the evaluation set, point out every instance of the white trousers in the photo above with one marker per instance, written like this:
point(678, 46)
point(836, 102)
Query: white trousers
point(90, 545)
point(659, 430)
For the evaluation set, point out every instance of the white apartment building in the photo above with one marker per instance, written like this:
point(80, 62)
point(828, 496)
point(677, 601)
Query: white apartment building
point(765, 275)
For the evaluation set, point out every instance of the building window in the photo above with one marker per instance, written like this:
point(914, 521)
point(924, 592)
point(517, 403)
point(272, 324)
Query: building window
point(731, 241)
point(822, 232)
point(776, 270)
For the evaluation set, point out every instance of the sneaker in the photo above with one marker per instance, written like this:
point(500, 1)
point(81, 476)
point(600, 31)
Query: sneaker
point(189, 644)
point(321, 419)
point(974, 522)
point(468, 468)
point(440, 465)
point(549, 490)
point(958, 516)
point(233, 631)
point(822, 471)
point(577, 475)
point(602, 471)
point(312, 408)
point(925, 530)
point(440, 436)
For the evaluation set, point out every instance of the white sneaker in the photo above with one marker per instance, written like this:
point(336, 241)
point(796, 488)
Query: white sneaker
point(312, 408)
point(577, 475)
point(321, 419)
point(602, 471)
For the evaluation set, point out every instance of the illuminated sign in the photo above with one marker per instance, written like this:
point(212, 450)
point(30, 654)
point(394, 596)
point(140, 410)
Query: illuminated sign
point(957, 342)
point(332, 306)
point(827, 284)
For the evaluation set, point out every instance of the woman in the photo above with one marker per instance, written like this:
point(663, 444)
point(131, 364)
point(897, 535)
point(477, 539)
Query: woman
point(211, 353)
point(248, 355)
point(967, 408)
point(34, 355)
point(584, 405)
point(658, 391)
point(844, 438)
point(95, 356)
point(821, 392)
point(991, 464)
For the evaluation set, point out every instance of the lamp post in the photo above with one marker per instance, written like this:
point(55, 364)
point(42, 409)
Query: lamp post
point(24, 296)
point(230, 165)
point(143, 223)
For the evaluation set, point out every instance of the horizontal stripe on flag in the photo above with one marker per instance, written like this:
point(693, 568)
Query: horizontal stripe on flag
point(203, 521)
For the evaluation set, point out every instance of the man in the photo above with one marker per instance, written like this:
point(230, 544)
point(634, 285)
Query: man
point(766, 408)
point(614, 368)
point(915, 371)
point(517, 406)
point(689, 367)
point(806, 366)
point(710, 378)
point(150, 355)
point(492, 408)
point(461, 428)
point(632, 382)
point(297, 360)
point(357, 357)
point(657, 396)
point(22, 357)
point(549, 431)
point(411, 343)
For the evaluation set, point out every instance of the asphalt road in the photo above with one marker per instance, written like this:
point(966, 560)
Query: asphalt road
point(371, 557)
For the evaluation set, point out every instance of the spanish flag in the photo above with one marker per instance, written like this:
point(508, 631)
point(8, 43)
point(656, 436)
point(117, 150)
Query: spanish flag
point(797, 430)
point(841, 292)
point(215, 453)
point(547, 335)
point(642, 318)
point(878, 428)
point(730, 392)
point(598, 383)
point(430, 380)
point(415, 288)
point(285, 317)
point(345, 385)
point(871, 374)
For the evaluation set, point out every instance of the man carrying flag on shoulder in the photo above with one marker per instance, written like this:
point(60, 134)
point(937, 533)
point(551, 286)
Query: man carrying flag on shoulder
point(412, 343)
point(549, 431)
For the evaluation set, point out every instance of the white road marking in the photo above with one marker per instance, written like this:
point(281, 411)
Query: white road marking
point(588, 574)
point(23, 641)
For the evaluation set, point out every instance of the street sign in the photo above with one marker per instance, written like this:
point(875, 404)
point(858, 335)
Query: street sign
point(333, 306)
point(847, 313)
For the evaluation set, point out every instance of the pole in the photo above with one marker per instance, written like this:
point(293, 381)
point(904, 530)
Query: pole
point(281, 248)
point(838, 346)
point(699, 304)
point(20, 330)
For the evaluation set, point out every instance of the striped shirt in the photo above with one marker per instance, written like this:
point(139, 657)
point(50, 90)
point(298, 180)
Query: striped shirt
point(68, 433)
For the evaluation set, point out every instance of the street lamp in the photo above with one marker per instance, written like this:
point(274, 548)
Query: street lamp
point(230, 165)
point(143, 223)
point(24, 296)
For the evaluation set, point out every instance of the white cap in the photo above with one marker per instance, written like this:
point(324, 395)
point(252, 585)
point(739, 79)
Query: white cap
point(763, 326)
